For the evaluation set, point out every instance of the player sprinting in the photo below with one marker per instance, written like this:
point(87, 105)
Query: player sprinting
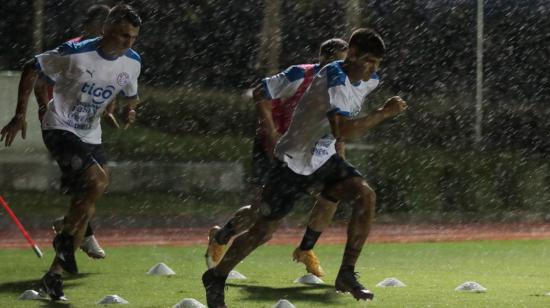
point(92, 27)
point(276, 98)
point(307, 156)
point(87, 76)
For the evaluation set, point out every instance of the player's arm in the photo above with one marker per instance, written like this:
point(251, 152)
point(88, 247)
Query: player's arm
point(354, 128)
point(265, 114)
point(334, 120)
point(109, 114)
point(130, 110)
point(18, 122)
point(41, 95)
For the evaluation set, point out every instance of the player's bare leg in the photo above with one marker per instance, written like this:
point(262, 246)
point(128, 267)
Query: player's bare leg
point(242, 220)
point(320, 218)
point(363, 198)
point(214, 278)
point(95, 181)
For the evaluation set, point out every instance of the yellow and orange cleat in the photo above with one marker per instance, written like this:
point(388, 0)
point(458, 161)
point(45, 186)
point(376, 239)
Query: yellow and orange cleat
point(310, 260)
point(215, 251)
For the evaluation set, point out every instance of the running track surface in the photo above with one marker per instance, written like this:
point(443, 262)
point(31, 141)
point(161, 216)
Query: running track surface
point(11, 238)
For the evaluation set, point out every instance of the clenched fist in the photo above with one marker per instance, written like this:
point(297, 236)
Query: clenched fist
point(393, 106)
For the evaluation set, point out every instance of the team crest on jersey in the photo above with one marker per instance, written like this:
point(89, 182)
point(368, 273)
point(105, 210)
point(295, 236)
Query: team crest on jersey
point(122, 79)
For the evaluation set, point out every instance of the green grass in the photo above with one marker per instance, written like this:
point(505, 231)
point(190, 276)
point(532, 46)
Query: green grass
point(516, 273)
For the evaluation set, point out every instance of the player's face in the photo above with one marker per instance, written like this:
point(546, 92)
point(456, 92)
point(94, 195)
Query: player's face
point(120, 37)
point(367, 65)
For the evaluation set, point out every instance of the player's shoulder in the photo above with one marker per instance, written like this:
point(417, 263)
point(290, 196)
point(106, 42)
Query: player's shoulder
point(76, 47)
point(296, 72)
point(336, 76)
point(132, 54)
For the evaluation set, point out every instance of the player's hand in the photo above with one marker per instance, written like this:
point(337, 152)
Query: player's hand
point(393, 106)
point(8, 133)
point(130, 118)
point(111, 120)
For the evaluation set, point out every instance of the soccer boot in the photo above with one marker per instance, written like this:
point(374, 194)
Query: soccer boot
point(214, 252)
point(346, 281)
point(215, 289)
point(310, 260)
point(91, 247)
point(52, 285)
point(64, 252)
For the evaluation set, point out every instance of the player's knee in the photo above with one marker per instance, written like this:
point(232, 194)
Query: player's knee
point(97, 184)
point(367, 197)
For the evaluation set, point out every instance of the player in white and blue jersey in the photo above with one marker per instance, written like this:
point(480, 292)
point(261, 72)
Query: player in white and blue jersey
point(276, 98)
point(307, 157)
point(87, 76)
point(92, 27)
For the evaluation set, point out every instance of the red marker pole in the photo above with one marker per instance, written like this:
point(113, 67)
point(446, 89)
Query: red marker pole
point(21, 228)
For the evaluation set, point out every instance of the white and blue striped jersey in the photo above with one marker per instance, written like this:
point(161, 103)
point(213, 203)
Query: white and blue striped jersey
point(285, 84)
point(85, 82)
point(309, 142)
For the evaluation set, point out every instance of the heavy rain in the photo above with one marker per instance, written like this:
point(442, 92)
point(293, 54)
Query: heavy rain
point(466, 160)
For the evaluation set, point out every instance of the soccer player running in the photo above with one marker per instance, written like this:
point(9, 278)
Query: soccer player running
point(307, 156)
point(276, 98)
point(92, 27)
point(87, 76)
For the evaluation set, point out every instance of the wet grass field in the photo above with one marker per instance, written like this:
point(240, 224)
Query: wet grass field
point(515, 273)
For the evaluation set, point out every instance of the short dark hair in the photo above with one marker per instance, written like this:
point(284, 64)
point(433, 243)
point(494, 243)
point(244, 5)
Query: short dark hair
point(367, 41)
point(123, 12)
point(97, 12)
point(330, 47)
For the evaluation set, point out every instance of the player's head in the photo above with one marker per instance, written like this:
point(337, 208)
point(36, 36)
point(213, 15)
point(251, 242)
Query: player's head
point(121, 28)
point(92, 25)
point(366, 50)
point(332, 50)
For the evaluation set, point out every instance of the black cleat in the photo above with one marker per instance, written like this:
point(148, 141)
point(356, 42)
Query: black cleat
point(64, 252)
point(215, 289)
point(52, 285)
point(346, 281)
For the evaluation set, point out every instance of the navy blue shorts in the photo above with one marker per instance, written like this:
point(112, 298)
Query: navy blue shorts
point(73, 157)
point(283, 186)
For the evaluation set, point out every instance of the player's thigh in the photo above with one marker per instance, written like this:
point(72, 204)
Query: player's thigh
point(349, 189)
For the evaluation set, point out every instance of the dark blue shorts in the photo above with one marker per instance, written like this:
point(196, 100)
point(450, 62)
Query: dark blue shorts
point(73, 157)
point(283, 186)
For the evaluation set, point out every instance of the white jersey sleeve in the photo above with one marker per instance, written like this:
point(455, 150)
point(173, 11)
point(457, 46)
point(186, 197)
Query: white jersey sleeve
point(345, 98)
point(130, 90)
point(337, 91)
point(284, 84)
point(53, 63)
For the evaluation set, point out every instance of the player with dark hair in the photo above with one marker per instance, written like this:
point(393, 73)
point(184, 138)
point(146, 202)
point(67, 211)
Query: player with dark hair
point(306, 156)
point(92, 26)
point(87, 76)
point(276, 98)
